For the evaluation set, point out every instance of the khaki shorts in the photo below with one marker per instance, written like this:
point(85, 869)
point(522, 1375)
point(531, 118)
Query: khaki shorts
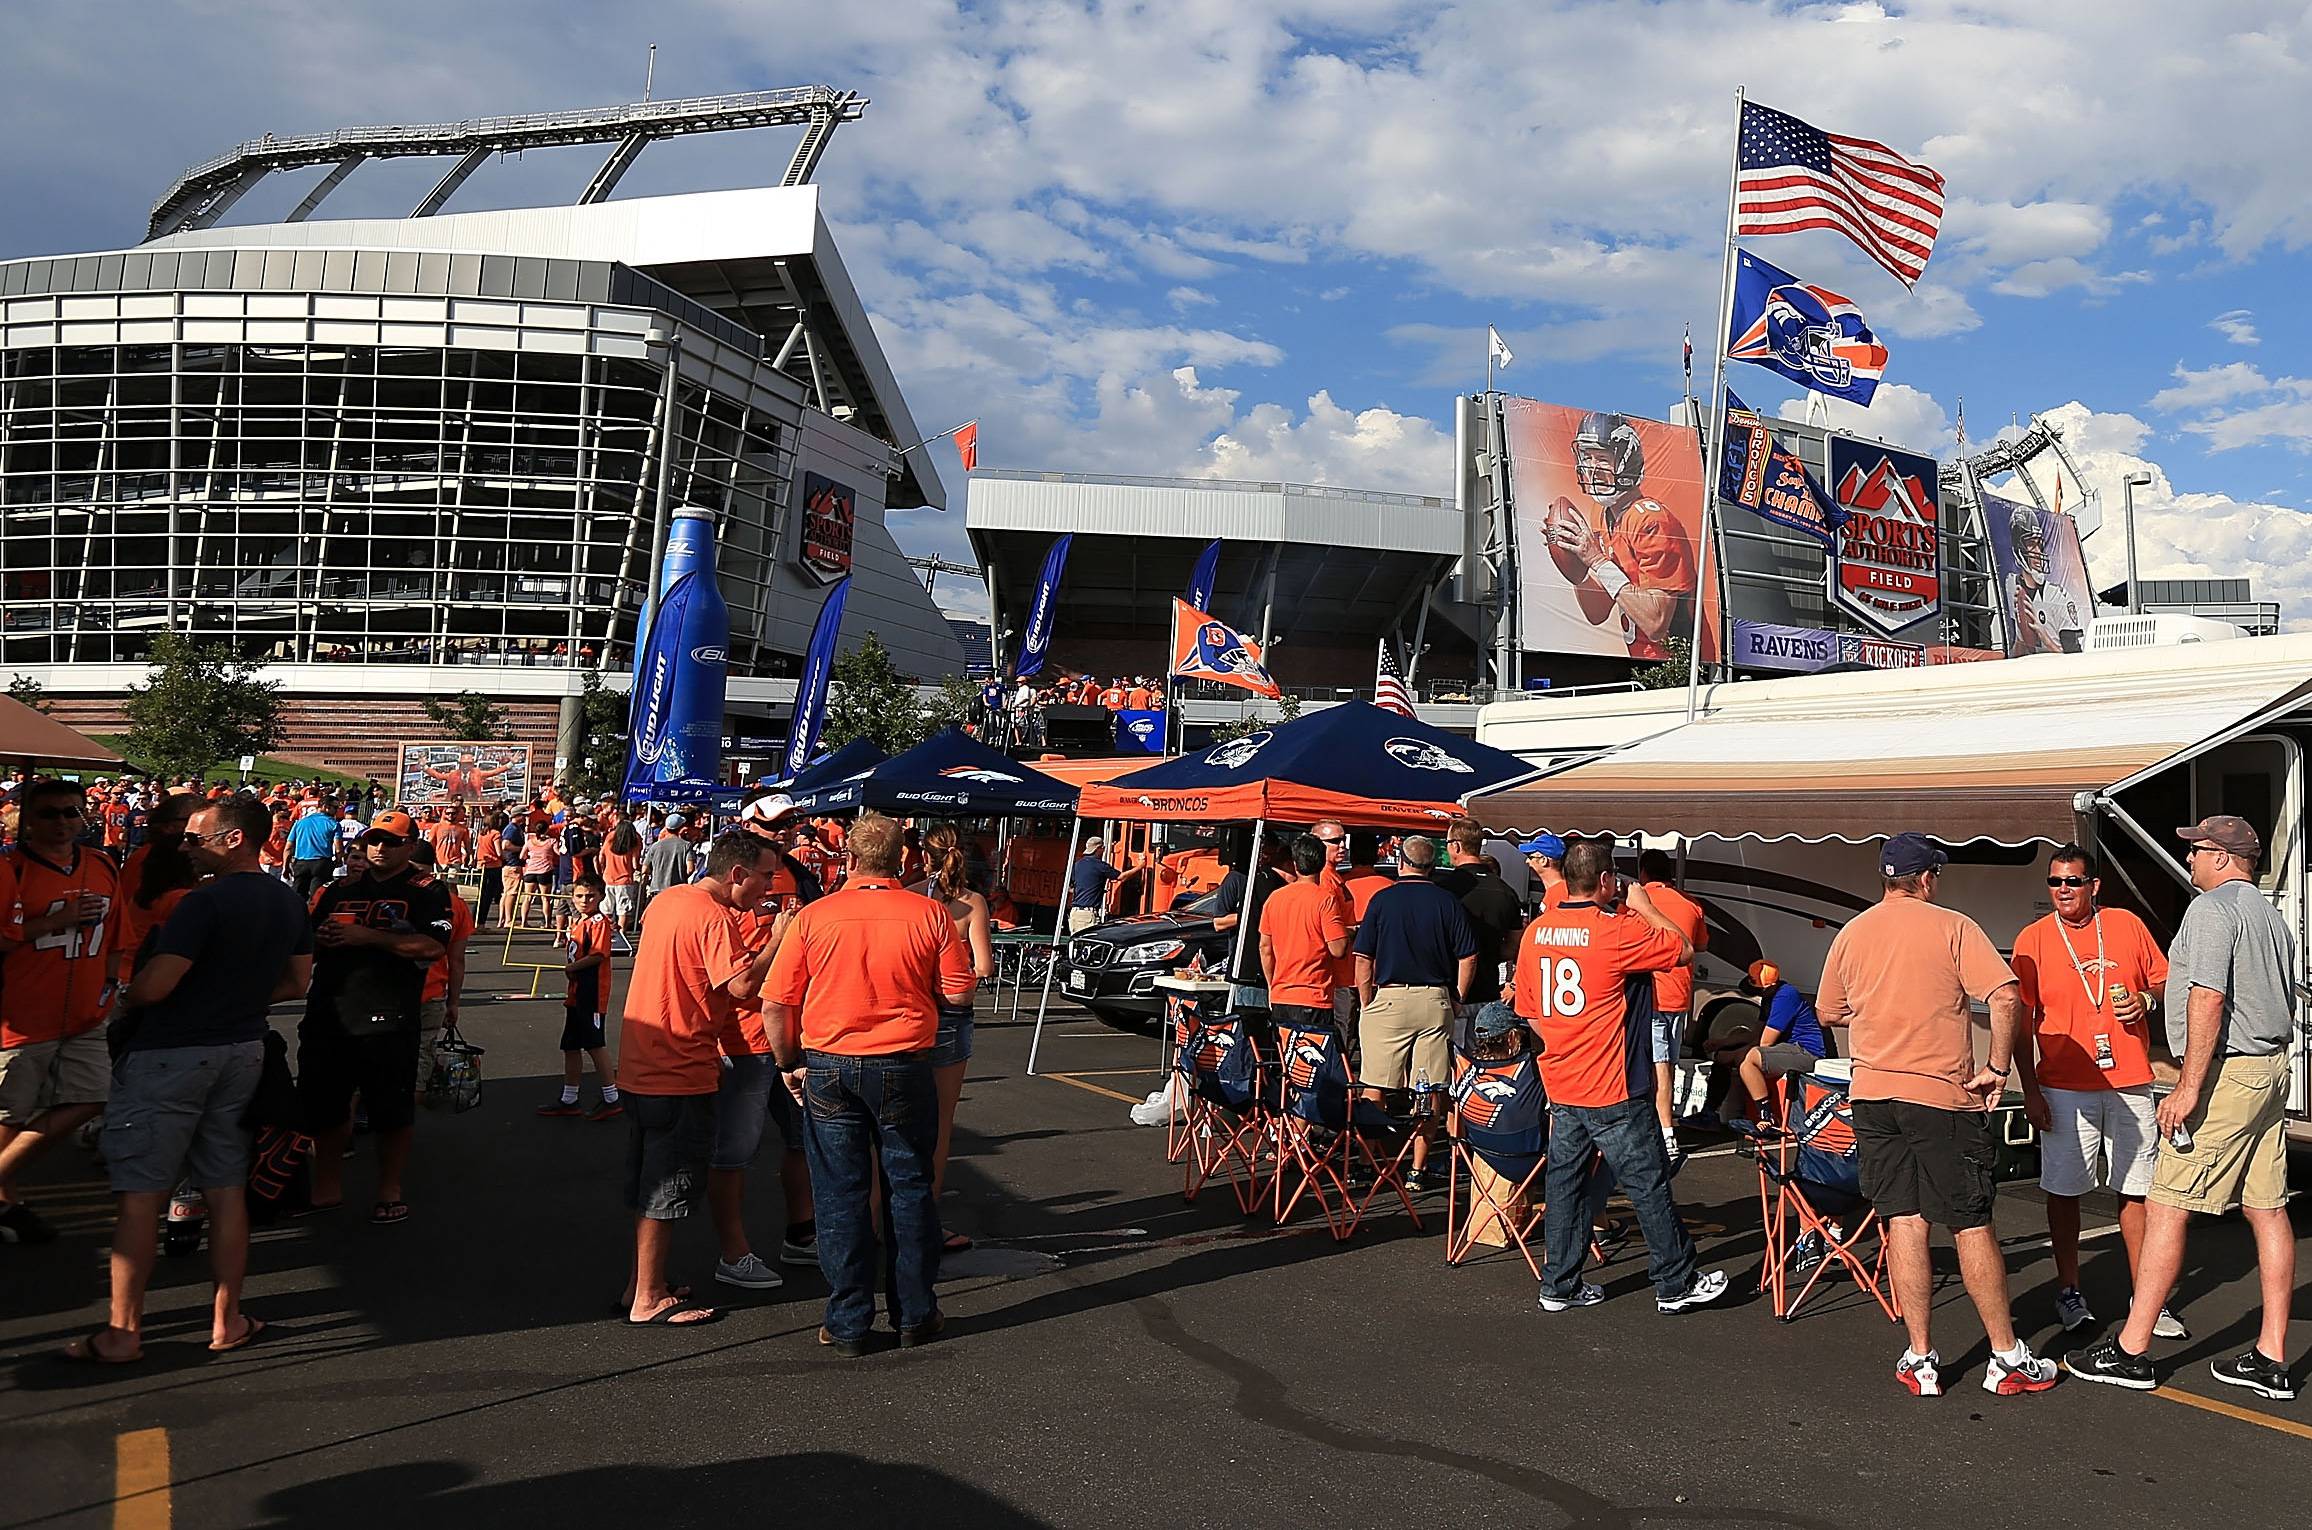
point(1405, 1035)
point(2239, 1151)
point(74, 1071)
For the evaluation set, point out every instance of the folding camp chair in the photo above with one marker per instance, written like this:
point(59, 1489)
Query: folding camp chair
point(1326, 1135)
point(1227, 1120)
point(1498, 1132)
point(1810, 1177)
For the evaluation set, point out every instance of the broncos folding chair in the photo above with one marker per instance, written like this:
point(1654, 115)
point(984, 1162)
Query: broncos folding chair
point(1810, 1176)
point(1227, 1120)
point(1325, 1134)
point(1499, 1133)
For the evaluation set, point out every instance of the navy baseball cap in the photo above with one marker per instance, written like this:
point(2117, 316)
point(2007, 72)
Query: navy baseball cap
point(1494, 1021)
point(1910, 853)
point(1544, 844)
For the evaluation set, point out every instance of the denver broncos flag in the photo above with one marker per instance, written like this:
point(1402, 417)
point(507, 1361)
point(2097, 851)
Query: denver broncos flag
point(1203, 649)
point(1809, 334)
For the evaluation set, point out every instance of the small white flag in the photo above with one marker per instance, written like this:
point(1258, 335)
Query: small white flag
point(1497, 348)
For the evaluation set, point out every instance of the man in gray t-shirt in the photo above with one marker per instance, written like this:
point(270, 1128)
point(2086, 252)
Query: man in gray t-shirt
point(2223, 1129)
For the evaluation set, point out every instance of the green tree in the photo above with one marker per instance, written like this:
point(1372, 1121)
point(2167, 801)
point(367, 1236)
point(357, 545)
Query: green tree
point(867, 698)
point(29, 691)
point(1253, 721)
point(601, 763)
point(1671, 672)
point(472, 715)
point(203, 705)
point(956, 704)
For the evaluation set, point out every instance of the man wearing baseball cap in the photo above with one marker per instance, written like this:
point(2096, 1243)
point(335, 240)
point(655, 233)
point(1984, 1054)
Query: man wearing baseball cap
point(1545, 856)
point(1903, 975)
point(376, 930)
point(2230, 1006)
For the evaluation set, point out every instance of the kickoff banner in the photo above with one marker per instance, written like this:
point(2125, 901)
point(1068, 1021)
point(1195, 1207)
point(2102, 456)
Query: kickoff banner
point(1203, 649)
point(1037, 643)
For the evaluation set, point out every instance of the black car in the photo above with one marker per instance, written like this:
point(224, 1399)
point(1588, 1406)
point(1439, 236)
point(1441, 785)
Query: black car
point(1111, 968)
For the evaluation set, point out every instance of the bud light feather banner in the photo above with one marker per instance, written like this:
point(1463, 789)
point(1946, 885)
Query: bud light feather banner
point(650, 713)
point(1036, 644)
point(811, 690)
point(1207, 574)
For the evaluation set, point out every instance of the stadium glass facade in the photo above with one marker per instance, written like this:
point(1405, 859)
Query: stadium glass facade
point(369, 455)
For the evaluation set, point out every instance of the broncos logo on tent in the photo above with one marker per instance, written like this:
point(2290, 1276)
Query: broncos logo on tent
point(979, 773)
point(1419, 754)
point(1239, 751)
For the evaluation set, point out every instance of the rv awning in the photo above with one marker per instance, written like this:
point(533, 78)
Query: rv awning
point(2000, 769)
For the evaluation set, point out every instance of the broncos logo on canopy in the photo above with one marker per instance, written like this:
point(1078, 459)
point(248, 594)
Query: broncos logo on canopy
point(979, 773)
point(1239, 751)
point(1420, 754)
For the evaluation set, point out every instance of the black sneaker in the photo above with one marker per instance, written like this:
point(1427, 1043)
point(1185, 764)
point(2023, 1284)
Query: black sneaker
point(21, 1224)
point(849, 1349)
point(2106, 1362)
point(2266, 1378)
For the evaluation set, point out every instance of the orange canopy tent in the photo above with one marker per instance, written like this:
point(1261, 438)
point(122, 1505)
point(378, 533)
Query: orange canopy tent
point(31, 738)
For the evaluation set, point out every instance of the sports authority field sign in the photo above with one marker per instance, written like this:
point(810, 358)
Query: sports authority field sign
point(1886, 568)
point(830, 512)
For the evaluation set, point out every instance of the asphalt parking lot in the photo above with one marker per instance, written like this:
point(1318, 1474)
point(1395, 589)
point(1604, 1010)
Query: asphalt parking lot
point(1114, 1357)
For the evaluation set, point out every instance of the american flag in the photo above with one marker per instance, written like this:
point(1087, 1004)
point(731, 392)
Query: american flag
point(1793, 176)
point(1389, 691)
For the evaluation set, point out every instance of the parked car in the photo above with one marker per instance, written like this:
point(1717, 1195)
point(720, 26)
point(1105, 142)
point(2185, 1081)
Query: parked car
point(1111, 968)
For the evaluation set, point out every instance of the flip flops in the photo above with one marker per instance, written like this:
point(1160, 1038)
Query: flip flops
point(83, 1351)
point(386, 1213)
point(665, 1316)
point(252, 1330)
point(620, 1306)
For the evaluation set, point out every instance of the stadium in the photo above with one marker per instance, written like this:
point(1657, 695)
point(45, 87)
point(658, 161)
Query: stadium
point(406, 457)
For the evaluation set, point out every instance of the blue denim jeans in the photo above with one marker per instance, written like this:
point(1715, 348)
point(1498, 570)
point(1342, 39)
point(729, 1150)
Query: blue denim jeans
point(853, 1109)
point(1631, 1141)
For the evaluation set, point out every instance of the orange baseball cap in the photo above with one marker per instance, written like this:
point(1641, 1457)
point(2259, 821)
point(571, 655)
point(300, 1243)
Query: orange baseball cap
point(394, 825)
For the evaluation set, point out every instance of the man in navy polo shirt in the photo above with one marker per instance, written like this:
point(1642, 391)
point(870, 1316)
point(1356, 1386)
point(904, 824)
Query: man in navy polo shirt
point(1088, 883)
point(1416, 958)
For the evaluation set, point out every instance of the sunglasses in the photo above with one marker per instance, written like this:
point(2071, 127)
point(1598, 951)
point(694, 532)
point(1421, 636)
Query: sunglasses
point(2068, 881)
point(2210, 849)
point(1320, 839)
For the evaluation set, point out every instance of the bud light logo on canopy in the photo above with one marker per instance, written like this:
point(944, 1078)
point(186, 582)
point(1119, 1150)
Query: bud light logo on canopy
point(1886, 569)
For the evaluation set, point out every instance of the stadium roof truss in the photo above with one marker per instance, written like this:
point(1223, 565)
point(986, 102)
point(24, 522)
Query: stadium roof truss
point(204, 193)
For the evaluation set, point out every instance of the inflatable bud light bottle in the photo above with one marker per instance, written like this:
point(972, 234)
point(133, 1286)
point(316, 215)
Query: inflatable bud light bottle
point(695, 723)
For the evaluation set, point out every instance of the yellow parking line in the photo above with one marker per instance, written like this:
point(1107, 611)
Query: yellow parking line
point(2229, 1410)
point(1078, 1083)
point(140, 1480)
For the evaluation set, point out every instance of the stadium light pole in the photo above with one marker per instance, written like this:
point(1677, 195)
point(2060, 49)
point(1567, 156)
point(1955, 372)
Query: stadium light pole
point(2127, 488)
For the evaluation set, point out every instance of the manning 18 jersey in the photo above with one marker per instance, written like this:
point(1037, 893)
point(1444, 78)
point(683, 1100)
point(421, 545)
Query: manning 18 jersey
point(1573, 965)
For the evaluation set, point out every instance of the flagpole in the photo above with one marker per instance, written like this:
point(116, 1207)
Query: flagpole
point(1716, 461)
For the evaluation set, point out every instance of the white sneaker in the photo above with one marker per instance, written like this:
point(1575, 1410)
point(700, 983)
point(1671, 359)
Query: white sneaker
point(2032, 1373)
point(1919, 1374)
point(749, 1274)
point(2071, 1309)
point(2169, 1326)
point(1583, 1296)
point(1707, 1288)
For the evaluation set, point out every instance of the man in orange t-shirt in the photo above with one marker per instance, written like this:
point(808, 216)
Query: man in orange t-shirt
point(1576, 965)
point(1303, 936)
point(1674, 989)
point(2087, 976)
point(852, 1010)
point(62, 920)
point(1904, 975)
point(689, 970)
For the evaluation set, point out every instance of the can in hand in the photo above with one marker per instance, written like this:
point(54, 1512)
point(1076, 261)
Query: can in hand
point(2181, 1138)
point(2119, 991)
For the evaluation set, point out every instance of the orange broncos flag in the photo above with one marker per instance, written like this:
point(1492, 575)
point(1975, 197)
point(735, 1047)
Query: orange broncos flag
point(1203, 649)
point(967, 444)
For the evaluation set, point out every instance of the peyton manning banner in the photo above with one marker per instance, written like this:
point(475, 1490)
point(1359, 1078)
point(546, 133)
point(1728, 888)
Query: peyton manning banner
point(1203, 649)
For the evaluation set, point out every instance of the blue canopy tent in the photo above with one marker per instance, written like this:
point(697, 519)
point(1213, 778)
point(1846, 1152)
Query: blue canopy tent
point(949, 774)
point(1367, 767)
point(855, 758)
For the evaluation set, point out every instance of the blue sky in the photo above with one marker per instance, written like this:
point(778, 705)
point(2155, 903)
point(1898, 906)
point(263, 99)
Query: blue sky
point(1262, 238)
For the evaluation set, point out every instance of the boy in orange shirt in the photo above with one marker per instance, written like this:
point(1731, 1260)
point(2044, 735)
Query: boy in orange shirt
point(586, 1004)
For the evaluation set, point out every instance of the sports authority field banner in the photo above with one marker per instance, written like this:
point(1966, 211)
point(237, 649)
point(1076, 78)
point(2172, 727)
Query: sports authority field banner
point(830, 514)
point(2044, 598)
point(1886, 564)
point(1608, 516)
point(462, 774)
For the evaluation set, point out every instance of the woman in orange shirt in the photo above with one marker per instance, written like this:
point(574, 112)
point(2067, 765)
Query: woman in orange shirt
point(157, 875)
point(621, 849)
point(490, 856)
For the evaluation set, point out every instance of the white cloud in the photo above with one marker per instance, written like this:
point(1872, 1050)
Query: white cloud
point(2183, 533)
point(2238, 326)
point(1190, 297)
point(2210, 385)
point(1899, 415)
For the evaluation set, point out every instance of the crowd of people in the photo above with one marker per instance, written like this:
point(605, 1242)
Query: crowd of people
point(769, 968)
point(1418, 971)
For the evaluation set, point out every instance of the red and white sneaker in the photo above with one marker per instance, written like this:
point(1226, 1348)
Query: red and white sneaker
point(1919, 1374)
point(2029, 1374)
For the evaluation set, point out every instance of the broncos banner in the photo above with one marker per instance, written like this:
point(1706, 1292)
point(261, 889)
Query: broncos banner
point(1203, 649)
point(651, 710)
point(1763, 476)
point(1809, 334)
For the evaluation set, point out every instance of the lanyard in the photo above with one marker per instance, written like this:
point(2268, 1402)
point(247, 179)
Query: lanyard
point(2095, 997)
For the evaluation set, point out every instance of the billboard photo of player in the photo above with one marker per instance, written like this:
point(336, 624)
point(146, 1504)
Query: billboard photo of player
point(1615, 503)
point(2042, 577)
point(436, 775)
